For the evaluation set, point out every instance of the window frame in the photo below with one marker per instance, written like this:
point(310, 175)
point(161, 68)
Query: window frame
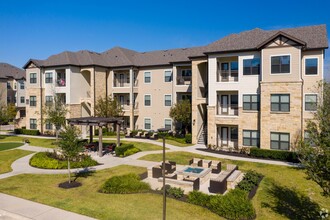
point(317, 66)
point(33, 121)
point(48, 126)
point(280, 65)
point(144, 123)
point(251, 66)
point(251, 103)
point(279, 103)
point(166, 95)
point(34, 102)
point(33, 80)
point(144, 100)
point(310, 94)
point(22, 85)
point(171, 123)
point(250, 138)
point(47, 102)
point(22, 97)
point(280, 141)
point(49, 80)
point(144, 77)
point(170, 77)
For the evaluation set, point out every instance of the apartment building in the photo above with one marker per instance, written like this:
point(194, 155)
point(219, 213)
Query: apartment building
point(12, 89)
point(255, 88)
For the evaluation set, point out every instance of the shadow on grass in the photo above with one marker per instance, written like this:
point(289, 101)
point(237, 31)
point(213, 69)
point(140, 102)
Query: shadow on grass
point(292, 204)
point(86, 172)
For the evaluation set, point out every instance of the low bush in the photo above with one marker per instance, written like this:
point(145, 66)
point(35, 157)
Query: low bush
point(274, 154)
point(175, 192)
point(129, 183)
point(50, 160)
point(18, 131)
point(199, 198)
point(250, 180)
point(188, 138)
point(26, 131)
point(126, 150)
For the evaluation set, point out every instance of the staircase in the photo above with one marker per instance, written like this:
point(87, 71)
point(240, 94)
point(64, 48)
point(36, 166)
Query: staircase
point(202, 139)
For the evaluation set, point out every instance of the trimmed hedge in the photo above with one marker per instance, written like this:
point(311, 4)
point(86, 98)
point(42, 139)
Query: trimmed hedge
point(250, 181)
point(274, 154)
point(129, 183)
point(188, 138)
point(175, 192)
point(47, 160)
point(125, 150)
point(234, 205)
point(26, 131)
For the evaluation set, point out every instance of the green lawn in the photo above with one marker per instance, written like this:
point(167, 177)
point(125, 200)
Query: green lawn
point(39, 142)
point(284, 193)
point(142, 146)
point(8, 157)
point(9, 145)
point(174, 143)
point(87, 200)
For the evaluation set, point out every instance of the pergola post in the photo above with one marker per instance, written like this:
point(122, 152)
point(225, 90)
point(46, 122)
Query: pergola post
point(100, 142)
point(90, 134)
point(118, 134)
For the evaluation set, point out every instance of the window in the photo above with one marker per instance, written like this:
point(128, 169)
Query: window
point(311, 102)
point(147, 77)
point(61, 79)
point(280, 103)
point(49, 100)
point(147, 100)
point(168, 124)
point(33, 78)
point(33, 101)
point(233, 133)
point(22, 84)
point(280, 64)
point(168, 76)
point(186, 72)
point(168, 100)
point(33, 123)
point(251, 102)
point(49, 77)
point(279, 141)
point(307, 139)
point(251, 66)
point(251, 138)
point(15, 85)
point(22, 113)
point(311, 66)
point(61, 97)
point(147, 123)
point(22, 99)
point(8, 85)
point(49, 126)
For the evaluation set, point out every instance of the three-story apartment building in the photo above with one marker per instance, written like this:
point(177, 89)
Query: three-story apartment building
point(255, 88)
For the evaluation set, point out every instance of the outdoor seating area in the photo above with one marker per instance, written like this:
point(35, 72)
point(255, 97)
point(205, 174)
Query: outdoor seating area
point(203, 175)
point(142, 134)
point(94, 147)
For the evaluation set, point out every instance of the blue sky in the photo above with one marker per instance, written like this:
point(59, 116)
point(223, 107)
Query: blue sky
point(38, 29)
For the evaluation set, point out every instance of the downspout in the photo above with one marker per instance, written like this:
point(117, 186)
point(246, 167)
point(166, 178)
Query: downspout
point(41, 98)
point(302, 97)
point(94, 90)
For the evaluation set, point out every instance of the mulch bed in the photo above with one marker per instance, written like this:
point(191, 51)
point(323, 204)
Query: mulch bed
point(67, 185)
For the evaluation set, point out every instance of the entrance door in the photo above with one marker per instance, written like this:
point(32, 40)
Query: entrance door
point(121, 80)
point(224, 136)
point(224, 104)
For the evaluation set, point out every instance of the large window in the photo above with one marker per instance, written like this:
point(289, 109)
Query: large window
point(168, 76)
point(33, 123)
point(147, 77)
point(33, 100)
point(147, 100)
point(251, 66)
point(280, 102)
point(311, 66)
point(186, 72)
point(49, 126)
point(251, 102)
point(22, 99)
point(49, 77)
point(168, 100)
point(49, 100)
point(33, 78)
point(280, 64)
point(279, 141)
point(168, 124)
point(311, 102)
point(251, 138)
point(233, 133)
point(22, 84)
point(147, 123)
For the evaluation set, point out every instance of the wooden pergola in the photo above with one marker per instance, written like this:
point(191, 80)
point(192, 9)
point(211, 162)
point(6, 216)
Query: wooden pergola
point(99, 122)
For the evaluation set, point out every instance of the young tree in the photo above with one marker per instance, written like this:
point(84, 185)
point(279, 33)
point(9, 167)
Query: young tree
point(55, 114)
point(11, 111)
point(108, 107)
point(70, 144)
point(314, 151)
point(181, 112)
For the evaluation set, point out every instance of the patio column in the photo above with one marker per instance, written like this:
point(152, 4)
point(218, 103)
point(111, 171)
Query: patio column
point(90, 134)
point(100, 142)
point(118, 134)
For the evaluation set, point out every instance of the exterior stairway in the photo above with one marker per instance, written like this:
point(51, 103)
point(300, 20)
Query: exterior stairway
point(202, 139)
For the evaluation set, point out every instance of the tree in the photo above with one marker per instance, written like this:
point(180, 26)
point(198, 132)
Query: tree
point(55, 114)
point(108, 107)
point(11, 111)
point(181, 112)
point(314, 150)
point(70, 144)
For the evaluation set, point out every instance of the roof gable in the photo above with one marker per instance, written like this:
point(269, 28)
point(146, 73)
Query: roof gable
point(282, 39)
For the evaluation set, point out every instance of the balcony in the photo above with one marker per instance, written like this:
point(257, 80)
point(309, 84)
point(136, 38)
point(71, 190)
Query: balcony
point(230, 110)
point(228, 76)
point(227, 70)
point(183, 80)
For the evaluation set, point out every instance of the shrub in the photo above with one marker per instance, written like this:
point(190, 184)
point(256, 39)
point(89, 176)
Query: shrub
point(122, 149)
point(175, 192)
point(188, 138)
point(18, 131)
point(129, 183)
point(199, 198)
point(48, 160)
point(250, 180)
point(274, 154)
point(26, 131)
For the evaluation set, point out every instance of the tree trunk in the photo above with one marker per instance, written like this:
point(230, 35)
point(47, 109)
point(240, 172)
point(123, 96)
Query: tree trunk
point(69, 170)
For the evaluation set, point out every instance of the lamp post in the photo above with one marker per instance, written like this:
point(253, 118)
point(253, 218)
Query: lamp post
point(163, 132)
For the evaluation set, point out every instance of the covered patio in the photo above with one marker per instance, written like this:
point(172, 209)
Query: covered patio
point(99, 122)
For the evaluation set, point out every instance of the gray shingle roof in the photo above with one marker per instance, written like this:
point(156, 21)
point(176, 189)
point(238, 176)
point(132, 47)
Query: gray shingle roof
point(7, 70)
point(313, 36)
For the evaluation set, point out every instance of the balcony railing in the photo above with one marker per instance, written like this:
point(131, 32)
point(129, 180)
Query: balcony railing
point(226, 76)
point(183, 80)
point(60, 82)
point(230, 144)
point(230, 109)
point(118, 83)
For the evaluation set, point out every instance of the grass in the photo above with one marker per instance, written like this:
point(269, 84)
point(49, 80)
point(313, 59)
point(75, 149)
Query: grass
point(8, 157)
point(284, 193)
point(40, 142)
point(88, 201)
point(142, 146)
point(7, 146)
point(174, 143)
